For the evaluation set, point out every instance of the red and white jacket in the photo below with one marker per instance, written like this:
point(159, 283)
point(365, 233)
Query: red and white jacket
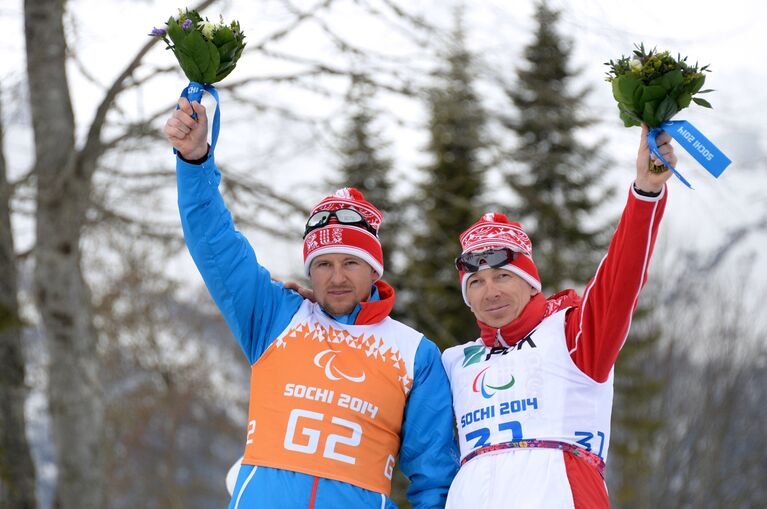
point(548, 376)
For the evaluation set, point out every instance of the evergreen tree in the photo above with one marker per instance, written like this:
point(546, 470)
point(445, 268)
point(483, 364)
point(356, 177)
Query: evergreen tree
point(555, 176)
point(635, 422)
point(365, 166)
point(446, 200)
point(557, 183)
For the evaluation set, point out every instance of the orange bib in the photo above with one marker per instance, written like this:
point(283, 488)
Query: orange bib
point(327, 399)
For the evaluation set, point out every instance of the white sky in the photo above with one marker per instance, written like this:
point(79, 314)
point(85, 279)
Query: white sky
point(728, 35)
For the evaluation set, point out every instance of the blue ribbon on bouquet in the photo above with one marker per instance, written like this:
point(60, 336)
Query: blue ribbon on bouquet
point(693, 141)
point(193, 92)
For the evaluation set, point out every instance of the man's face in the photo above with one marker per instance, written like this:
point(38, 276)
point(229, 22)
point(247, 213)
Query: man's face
point(497, 296)
point(340, 281)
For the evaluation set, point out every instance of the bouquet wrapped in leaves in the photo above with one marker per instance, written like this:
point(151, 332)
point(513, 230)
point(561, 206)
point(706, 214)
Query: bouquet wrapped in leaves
point(651, 87)
point(206, 51)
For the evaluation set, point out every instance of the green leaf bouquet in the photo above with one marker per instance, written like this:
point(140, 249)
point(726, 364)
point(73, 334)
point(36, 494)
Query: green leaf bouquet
point(651, 87)
point(207, 52)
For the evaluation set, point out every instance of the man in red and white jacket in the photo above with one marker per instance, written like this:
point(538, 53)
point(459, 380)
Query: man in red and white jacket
point(533, 395)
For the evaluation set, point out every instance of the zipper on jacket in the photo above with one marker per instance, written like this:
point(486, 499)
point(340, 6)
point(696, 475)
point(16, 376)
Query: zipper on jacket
point(314, 492)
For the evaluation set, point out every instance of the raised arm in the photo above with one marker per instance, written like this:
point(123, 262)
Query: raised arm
point(255, 308)
point(598, 328)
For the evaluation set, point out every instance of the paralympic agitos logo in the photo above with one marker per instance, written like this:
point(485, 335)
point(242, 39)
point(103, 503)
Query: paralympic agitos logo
point(479, 385)
point(476, 353)
point(325, 361)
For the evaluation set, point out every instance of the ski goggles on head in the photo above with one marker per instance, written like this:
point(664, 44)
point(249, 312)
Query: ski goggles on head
point(343, 216)
point(494, 258)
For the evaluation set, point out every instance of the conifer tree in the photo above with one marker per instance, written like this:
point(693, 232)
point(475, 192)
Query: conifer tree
point(365, 166)
point(555, 176)
point(557, 182)
point(447, 200)
point(636, 423)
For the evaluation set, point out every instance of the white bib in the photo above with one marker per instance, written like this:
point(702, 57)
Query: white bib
point(532, 390)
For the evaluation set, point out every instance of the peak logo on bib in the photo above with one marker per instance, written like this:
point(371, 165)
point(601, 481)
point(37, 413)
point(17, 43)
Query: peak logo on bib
point(479, 385)
point(478, 353)
point(325, 359)
point(472, 354)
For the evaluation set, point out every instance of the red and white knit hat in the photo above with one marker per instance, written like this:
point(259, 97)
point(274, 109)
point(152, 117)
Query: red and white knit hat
point(494, 230)
point(348, 239)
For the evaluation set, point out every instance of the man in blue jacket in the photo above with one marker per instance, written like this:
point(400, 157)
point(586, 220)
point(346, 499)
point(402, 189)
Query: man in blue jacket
point(339, 389)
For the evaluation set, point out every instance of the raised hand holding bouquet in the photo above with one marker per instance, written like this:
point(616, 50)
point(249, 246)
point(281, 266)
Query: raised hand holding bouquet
point(651, 87)
point(207, 52)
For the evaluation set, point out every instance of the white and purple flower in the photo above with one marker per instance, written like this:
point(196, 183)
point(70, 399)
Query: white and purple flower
point(215, 58)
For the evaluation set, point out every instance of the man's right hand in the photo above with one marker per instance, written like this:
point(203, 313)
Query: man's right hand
point(188, 136)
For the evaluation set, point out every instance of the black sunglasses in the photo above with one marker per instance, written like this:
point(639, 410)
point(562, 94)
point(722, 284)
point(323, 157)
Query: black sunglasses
point(470, 262)
point(343, 216)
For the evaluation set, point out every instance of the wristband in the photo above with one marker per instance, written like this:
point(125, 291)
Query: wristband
point(204, 158)
point(646, 194)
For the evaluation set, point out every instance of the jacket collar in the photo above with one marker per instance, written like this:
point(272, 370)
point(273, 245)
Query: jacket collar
point(375, 311)
point(512, 332)
point(532, 314)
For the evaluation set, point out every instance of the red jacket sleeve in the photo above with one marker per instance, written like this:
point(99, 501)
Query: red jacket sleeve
point(597, 329)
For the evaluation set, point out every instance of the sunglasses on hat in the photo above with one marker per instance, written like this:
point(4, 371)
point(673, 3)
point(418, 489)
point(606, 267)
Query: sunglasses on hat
point(494, 258)
point(343, 216)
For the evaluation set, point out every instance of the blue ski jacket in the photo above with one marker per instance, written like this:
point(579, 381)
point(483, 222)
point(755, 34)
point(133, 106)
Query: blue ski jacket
point(257, 310)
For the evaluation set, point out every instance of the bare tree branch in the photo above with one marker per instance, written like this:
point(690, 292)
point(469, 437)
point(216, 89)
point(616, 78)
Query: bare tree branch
point(417, 22)
point(93, 148)
point(301, 17)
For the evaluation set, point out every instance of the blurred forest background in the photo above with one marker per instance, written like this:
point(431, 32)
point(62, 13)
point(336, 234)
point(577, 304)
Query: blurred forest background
point(121, 386)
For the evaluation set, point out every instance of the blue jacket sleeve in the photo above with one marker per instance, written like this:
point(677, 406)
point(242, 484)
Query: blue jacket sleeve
point(255, 307)
point(429, 453)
